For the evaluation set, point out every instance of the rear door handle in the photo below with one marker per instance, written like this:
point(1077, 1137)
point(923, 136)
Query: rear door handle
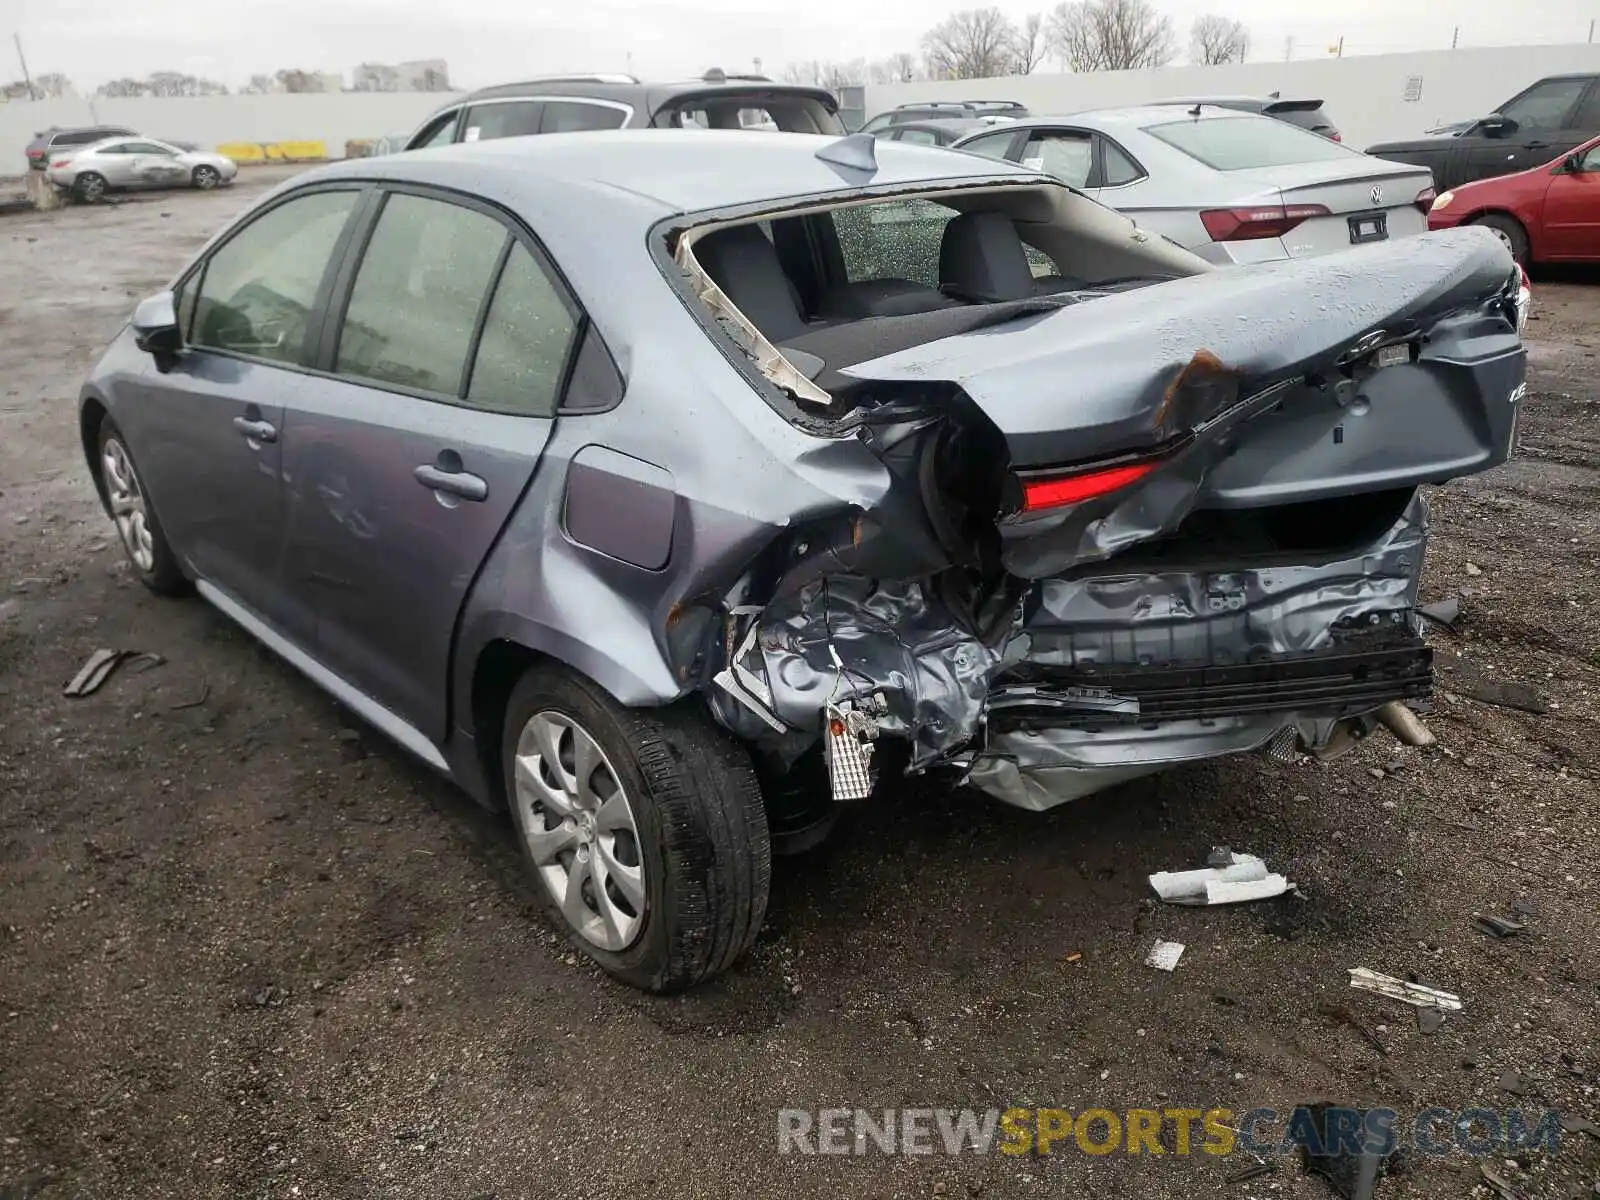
point(1535, 145)
point(461, 484)
point(256, 431)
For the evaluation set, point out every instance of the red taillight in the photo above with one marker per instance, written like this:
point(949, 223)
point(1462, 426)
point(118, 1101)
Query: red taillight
point(1072, 489)
point(1338, 137)
point(61, 162)
point(1253, 224)
point(1425, 199)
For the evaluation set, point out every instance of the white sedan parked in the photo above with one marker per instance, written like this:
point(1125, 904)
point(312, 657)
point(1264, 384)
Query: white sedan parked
point(124, 162)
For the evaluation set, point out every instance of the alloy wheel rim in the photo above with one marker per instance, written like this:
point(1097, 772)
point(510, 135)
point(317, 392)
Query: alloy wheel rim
point(92, 187)
point(579, 828)
point(205, 177)
point(128, 507)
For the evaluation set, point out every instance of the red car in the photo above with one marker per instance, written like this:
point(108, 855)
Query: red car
point(1550, 213)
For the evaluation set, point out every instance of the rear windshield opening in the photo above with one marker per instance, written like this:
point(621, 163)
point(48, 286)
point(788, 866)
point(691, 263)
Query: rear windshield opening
point(1240, 143)
point(751, 110)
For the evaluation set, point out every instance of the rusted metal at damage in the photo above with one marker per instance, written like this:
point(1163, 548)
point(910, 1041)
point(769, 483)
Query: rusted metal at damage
point(1203, 369)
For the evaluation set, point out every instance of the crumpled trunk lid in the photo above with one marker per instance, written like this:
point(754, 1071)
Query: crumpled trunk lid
point(1368, 370)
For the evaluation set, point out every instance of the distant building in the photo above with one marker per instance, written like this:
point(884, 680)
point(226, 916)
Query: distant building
point(421, 75)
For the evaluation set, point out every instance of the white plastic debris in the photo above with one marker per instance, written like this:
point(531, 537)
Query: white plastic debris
point(1398, 989)
point(1164, 956)
point(1244, 877)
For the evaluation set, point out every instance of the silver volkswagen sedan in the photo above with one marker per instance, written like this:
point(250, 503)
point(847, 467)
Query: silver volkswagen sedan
point(128, 162)
point(1234, 187)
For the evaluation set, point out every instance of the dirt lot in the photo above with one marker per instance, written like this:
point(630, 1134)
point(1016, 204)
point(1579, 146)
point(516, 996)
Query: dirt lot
point(247, 949)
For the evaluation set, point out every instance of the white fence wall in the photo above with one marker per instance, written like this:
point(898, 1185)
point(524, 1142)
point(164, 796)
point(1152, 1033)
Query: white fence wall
point(331, 117)
point(1365, 95)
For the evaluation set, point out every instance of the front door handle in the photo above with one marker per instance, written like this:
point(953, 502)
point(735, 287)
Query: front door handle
point(256, 431)
point(462, 484)
point(1535, 145)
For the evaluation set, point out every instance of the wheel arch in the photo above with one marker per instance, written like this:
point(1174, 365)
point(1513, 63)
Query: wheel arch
point(92, 415)
point(499, 650)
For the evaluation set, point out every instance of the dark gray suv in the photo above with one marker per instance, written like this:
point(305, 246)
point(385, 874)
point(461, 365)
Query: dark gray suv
point(56, 138)
point(573, 103)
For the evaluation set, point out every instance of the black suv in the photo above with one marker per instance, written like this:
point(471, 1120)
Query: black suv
point(569, 103)
point(1537, 125)
point(56, 138)
point(1306, 114)
point(935, 110)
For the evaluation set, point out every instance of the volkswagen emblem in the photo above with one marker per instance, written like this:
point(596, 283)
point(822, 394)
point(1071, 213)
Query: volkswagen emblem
point(1377, 194)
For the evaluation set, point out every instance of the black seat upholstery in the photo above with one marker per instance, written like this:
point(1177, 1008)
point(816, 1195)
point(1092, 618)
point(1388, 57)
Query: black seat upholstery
point(982, 260)
point(744, 264)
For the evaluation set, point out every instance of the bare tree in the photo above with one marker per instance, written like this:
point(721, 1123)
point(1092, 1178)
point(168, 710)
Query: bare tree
point(975, 43)
point(903, 67)
point(830, 75)
point(52, 83)
point(260, 85)
point(1111, 35)
point(1216, 40)
point(119, 88)
point(16, 90)
point(434, 80)
point(1029, 49)
point(294, 80)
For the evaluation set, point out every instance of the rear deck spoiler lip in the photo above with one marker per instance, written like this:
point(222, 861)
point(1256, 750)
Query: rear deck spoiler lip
point(1278, 106)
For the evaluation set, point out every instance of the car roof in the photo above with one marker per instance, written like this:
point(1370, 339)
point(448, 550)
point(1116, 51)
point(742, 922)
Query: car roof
point(1135, 117)
point(948, 124)
point(662, 172)
point(631, 90)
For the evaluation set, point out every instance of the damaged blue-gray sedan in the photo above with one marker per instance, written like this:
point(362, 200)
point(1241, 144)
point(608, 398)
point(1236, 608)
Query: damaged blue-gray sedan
point(676, 489)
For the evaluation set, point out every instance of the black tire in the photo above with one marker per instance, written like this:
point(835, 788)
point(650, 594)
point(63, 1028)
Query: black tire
point(89, 187)
point(801, 814)
point(163, 575)
point(1511, 232)
point(205, 178)
point(702, 831)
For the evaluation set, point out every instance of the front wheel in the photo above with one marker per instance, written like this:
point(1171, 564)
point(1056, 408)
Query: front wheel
point(1511, 234)
point(89, 187)
point(644, 828)
point(206, 178)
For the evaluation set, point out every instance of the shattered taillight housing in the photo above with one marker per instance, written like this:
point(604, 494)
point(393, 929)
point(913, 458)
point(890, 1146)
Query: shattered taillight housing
point(1054, 491)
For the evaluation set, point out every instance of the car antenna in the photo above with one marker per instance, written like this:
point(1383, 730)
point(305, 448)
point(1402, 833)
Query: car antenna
point(858, 151)
point(1195, 111)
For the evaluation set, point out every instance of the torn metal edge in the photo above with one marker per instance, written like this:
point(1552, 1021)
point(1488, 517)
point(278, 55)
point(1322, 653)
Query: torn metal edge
point(1367, 980)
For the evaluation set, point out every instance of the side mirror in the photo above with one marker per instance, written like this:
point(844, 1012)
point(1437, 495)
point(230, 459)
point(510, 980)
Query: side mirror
point(1497, 126)
point(155, 326)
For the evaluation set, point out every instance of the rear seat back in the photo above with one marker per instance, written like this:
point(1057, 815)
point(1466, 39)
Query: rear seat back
point(744, 264)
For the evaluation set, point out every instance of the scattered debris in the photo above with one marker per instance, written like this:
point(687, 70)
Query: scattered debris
point(1514, 1082)
point(1524, 908)
point(1396, 989)
point(1474, 569)
point(1405, 724)
point(205, 694)
point(1429, 1021)
point(1075, 956)
point(1474, 684)
point(1254, 1171)
point(1164, 956)
point(1573, 1123)
point(1499, 1185)
point(1229, 879)
point(1354, 1174)
point(1443, 612)
point(1500, 927)
point(1341, 1014)
point(102, 664)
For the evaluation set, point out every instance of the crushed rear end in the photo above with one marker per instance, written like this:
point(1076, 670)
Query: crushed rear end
point(1135, 527)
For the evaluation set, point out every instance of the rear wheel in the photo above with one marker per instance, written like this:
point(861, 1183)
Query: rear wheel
point(89, 187)
point(143, 539)
point(205, 178)
point(1511, 234)
point(644, 828)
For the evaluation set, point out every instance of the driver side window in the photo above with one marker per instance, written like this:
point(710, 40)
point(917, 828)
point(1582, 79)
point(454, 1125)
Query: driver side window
point(1545, 105)
point(257, 290)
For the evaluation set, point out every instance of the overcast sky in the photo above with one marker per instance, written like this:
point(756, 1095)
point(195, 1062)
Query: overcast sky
point(489, 41)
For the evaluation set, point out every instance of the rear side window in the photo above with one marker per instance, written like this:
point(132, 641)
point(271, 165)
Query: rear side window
point(438, 133)
point(257, 290)
point(1240, 143)
point(82, 137)
point(573, 116)
point(415, 302)
point(511, 118)
point(1116, 166)
point(1545, 105)
point(787, 111)
point(920, 137)
point(527, 339)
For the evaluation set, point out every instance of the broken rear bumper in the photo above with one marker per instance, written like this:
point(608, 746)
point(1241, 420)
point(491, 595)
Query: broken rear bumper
point(1101, 677)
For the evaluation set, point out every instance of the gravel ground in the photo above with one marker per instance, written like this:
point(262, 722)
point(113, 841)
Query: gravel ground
point(249, 949)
